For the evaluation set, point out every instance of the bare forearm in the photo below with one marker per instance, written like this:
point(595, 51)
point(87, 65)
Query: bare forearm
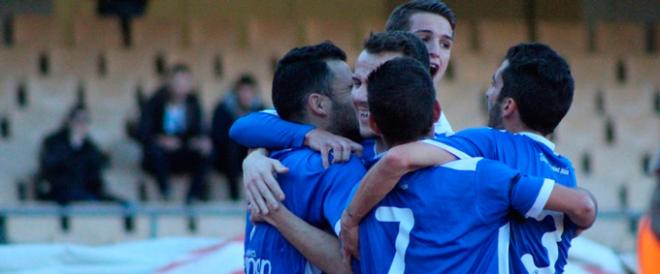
point(378, 182)
point(319, 247)
point(578, 204)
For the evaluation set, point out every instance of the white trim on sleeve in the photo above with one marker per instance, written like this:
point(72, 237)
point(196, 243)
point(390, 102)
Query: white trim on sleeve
point(541, 199)
point(459, 154)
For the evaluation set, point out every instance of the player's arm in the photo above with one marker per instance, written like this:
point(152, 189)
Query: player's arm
point(531, 195)
point(381, 179)
point(262, 129)
point(319, 247)
point(267, 130)
point(261, 188)
point(578, 203)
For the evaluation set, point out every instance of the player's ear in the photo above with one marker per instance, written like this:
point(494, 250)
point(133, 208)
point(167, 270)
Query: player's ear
point(436, 111)
point(373, 125)
point(318, 104)
point(509, 107)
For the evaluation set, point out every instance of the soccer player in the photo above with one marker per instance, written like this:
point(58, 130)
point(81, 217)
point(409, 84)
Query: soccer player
point(280, 134)
point(311, 85)
point(530, 94)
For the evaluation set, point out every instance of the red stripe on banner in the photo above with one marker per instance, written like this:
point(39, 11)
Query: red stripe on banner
point(198, 254)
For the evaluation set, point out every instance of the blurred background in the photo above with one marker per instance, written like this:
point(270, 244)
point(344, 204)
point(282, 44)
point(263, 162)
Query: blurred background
point(84, 86)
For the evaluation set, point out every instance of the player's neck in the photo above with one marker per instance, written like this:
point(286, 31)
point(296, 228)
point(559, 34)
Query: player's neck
point(520, 127)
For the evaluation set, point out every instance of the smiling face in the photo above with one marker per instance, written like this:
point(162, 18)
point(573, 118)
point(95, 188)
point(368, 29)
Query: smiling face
point(437, 34)
point(365, 64)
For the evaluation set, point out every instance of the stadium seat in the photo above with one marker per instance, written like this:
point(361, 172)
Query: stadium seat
point(273, 38)
point(619, 38)
point(463, 35)
point(157, 34)
point(567, 38)
point(461, 105)
point(596, 69)
point(96, 33)
point(475, 69)
point(133, 65)
point(19, 62)
point(643, 70)
point(497, 36)
point(214, 34)
point(341, 33)
point(604, 229)
point(38, 32)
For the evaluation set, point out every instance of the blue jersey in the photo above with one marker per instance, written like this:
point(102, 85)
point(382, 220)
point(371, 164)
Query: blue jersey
point(316, 195)
point(539, 244)
point(447, 219)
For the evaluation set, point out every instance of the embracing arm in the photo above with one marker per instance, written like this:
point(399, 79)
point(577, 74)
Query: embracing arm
point(261, 129)
point(319, 247)
point(578, 203)
point(385, 174)
point(381, 179)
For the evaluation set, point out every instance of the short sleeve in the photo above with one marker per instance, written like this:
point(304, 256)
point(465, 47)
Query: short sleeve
point(530, 194)
point(502, 189)
point(340, 181)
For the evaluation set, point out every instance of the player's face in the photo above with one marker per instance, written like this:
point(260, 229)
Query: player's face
point(365, 64)
point(436, 33)
point(493, 92)
point(343, 120)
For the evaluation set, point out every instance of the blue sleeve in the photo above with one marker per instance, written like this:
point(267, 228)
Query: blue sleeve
point(262, 129)
point(475, 142)
point(340, 181)
point(501, 189)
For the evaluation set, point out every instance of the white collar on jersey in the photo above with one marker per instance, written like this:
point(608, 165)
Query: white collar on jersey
point(539, 139)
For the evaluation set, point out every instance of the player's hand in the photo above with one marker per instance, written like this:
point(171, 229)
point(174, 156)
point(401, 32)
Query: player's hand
point(261, 189)
point(324, 142)
point(349, 236)
point(255, 217)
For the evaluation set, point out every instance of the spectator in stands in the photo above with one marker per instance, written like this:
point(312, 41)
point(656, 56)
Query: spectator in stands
point(242, 99)
point(648, 245)
point(71, 164)
point(173, 135)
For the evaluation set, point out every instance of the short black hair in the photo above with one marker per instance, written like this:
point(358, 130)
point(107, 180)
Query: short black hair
point(400, 17)
point(178, 68)
point(540, 82)
point(404, 42)
point(302, 71)
point(401, 97)
point(245, 79)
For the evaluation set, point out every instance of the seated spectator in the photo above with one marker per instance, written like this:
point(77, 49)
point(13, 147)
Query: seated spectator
point(172, 134)
point(71, 164)
point(648, 242)
point(240, 100)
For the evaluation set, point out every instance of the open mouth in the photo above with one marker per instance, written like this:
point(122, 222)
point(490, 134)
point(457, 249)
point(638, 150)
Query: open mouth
point(434, 69)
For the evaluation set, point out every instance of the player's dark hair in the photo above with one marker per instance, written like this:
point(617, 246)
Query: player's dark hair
point(404, 42)
point(300, 72)
point(400, 17)
point(540, 82)
point(246, 79)
point(401, 98)
point(178, 68)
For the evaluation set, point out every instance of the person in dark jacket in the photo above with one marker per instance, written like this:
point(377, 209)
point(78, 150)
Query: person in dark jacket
point(71, 164)
point(240, 100)
point(172, 134)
